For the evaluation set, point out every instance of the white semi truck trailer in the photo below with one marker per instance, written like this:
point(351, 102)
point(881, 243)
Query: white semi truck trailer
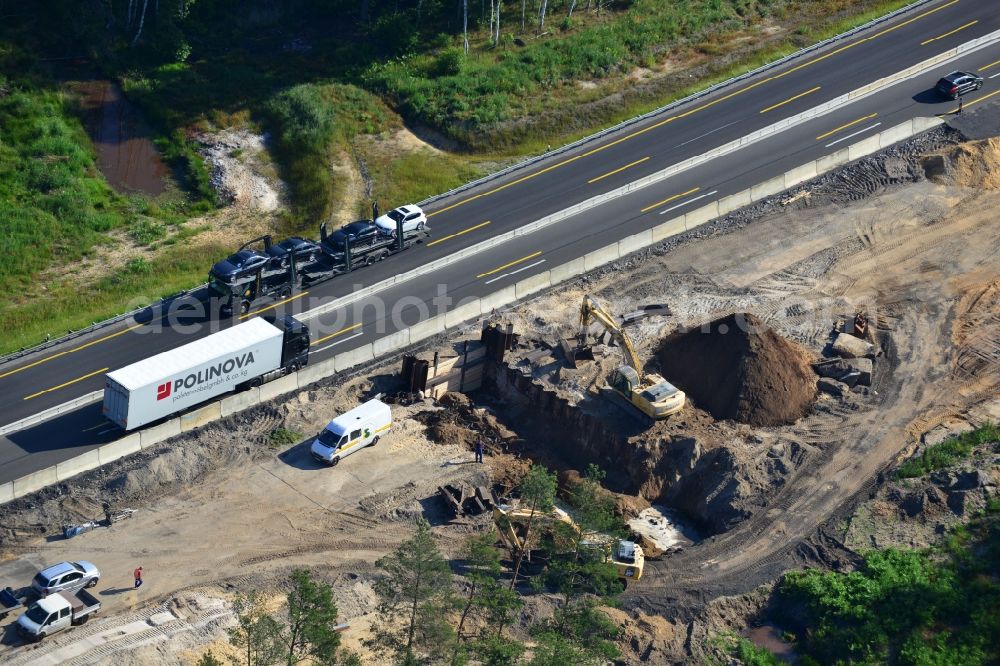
point(242, 356)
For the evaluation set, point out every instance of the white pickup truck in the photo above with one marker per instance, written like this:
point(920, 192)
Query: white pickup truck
point(56, 612)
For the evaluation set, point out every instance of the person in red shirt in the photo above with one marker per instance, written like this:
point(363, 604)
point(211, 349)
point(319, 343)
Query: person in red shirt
point(138, 577)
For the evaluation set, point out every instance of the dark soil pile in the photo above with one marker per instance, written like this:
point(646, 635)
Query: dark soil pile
point(737, 368)
point(461, 422)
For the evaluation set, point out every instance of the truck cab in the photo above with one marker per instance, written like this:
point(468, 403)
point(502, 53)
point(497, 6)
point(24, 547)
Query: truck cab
point(55, 613)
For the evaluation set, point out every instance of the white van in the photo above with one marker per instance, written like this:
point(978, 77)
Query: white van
point(350, 432)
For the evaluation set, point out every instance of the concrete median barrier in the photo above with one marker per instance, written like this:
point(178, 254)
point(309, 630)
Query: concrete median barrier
point(800, 175)
point(833, 160)
point(768, 188)
point(497, 299)
point(734, 202)
point(391, 342)
point(427, 328)
point(605, 255)
point(563, 272)
point(630, 244)
point(668, 229)
point(531, 285)
point(239, 401)
point(310, 374)
point(863, 148)
point(700, 216)
point(199, 417)
point(466, 312)
point(922, 124)
point(349, 359)
point(35, 481)
point(84, 462)
point(6, 492)
point(271, 390)
point(155, 434)
point(120, 448)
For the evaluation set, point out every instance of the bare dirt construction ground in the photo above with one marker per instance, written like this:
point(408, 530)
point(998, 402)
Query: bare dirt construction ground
point(241, 526)
point(220, 511)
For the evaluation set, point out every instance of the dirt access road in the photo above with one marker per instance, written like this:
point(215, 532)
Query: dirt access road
point(926, 257)
point(245, 525)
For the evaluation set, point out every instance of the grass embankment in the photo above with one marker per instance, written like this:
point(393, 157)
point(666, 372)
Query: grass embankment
point(57, 209)
point(520, 98)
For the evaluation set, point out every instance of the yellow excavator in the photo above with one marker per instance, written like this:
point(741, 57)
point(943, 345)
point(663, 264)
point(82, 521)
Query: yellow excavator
point(653, 395)
point(511, 522)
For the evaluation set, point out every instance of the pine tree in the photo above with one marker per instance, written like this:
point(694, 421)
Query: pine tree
point(415, 594)
point(538, 491)
point(257, 634)
point(312, 620)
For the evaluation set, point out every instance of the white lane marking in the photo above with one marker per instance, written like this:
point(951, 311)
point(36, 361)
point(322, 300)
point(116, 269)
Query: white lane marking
point(860, 131)
point(995, 75)
point(523, 268)
point(350, 337)
point(706, 194)
point(104, 432)
point(717, 129)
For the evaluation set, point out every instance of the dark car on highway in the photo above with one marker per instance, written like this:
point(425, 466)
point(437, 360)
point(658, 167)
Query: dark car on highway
point(240, 263)
point(956, 84)
point(356, 232)
point(304, 250)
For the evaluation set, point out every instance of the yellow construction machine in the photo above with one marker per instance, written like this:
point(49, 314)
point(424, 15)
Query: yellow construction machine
point(512, 522)
point(653, 395)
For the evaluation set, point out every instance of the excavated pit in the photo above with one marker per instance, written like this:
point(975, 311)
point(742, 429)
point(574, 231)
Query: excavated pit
point(737, 368)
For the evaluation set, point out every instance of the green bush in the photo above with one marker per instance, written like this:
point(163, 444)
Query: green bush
point(284, 437)
point(949, 452)
point(903, 607)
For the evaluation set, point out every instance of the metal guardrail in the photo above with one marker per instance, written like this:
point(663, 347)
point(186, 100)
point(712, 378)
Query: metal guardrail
point(520, 165)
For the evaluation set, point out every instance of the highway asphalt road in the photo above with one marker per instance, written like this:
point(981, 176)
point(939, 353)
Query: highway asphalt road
point(35, 383)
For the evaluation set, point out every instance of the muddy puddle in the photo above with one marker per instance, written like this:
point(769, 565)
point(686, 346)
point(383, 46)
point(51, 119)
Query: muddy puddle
point(126, 154)
point(769, 637)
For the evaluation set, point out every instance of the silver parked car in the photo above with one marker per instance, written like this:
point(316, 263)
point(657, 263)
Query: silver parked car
point(65, 577)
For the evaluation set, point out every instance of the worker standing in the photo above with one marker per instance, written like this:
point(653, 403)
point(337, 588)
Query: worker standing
point(138, 577)
point(479, 450)
point(374, 210)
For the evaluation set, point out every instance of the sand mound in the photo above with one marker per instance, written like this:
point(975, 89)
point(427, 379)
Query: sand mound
point(737, 368)
point(971, 164)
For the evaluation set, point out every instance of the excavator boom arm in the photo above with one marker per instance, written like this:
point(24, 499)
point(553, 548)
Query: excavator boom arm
point(591, 310)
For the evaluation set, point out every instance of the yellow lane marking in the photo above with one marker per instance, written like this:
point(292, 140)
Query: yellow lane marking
point(845, 126)
point(618, 170)
point(70, 351)
point(333, 335)
point(72, 381)
point(992, 64)
point(948, 34)
point(102, 424)
point(704, 106)
point(463, 231)
point(271, 307)
point(973, 102)
point(516, 261)
point(669, 199)
point(790, 100)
